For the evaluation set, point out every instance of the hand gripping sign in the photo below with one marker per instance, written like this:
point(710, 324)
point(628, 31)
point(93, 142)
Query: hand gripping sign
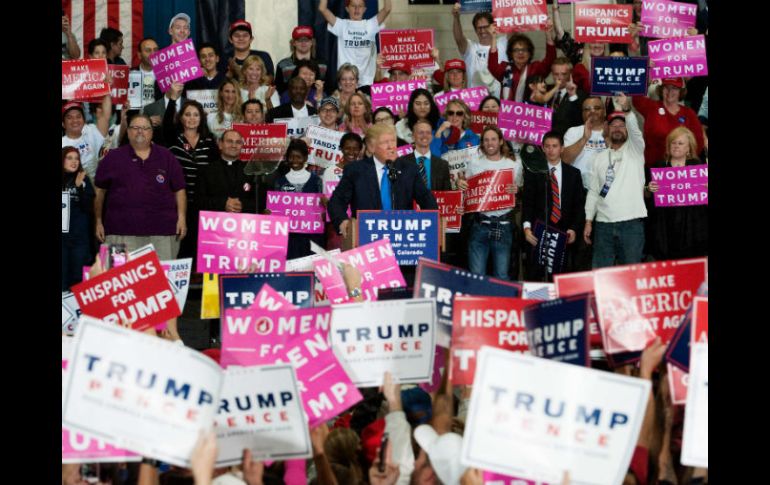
point(685, 56)
point(176, 63)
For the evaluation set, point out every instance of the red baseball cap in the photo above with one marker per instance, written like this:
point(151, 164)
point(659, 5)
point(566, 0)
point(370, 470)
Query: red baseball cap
point(677, 82)
point(240, 25)
point(401, 66)
point(72, 105)
point(302, 31)
point(454, 64)
point(616, 115)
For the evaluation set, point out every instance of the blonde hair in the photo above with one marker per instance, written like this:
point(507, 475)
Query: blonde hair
point(247, 63)
point(377, 130)
point(676, 133)
point(466, 110)
point(367, 109)
point(586, 61)
point(236, 111)
point(446, 80)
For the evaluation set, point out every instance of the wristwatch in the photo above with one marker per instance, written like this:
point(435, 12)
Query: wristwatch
point(354, 293)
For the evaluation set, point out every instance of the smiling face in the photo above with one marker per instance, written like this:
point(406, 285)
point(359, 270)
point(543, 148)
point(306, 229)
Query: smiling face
point(594, 110)
point(191, 118)
point(230, 145)
point(241, 40)
point(617, 130)
point(423, 135)
point(209, 59)
point(328, 115)
point(455, 78)
point(296, 160)
point(229, 96)
point(72, 162)
point(73, 123)
point(146, 49)
point(253, 74)
point(348, 82)
point(455, 114)
point(421, 107)
point(520, 53)
point(351, 151)
point(99, 52)
point(491, 144)
point(254, 114)
point(308, 75)
point(140, 132)
point(179, 30)
point(490, 105)
point(671, 94)
point(596, 49)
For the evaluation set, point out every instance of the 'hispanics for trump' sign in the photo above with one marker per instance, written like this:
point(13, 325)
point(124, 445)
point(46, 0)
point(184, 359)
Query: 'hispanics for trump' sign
point(471, 96)
point(229, 242)
point(413, 46)
point(177, 63)
point(682, 57)
point(524, 123)
point(664, 19)
point(520, 15)
point(603, 23)
point(394, 95)
point(527, 418)
point(557, 330)
point(305, 212)
point(262, 142)
point(681, 186)
point(84, 79)
point(619, 74)
point(480, 119)
point(488, 191)
point(412, 234)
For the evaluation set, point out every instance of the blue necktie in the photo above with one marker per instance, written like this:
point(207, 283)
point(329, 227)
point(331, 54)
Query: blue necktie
point(421, 169)
point(385, 190)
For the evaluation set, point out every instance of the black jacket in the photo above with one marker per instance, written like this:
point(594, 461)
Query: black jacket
point(218, 181)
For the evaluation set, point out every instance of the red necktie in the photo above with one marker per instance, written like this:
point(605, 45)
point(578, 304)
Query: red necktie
point(555, 200)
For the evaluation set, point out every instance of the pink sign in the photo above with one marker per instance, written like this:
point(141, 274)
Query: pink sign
point(491, 478)
point(524, 123)
point(395, 95)
point(230, 242)
point(471, 96)
point(378, 266)
point(329, 188)
point(404, 150)
point(663, 19)
point(520, 15)
point(681, 186)
point(685, 56)
point(413, 47)
point(78, 448)
point(305, 212)
point(176, 63)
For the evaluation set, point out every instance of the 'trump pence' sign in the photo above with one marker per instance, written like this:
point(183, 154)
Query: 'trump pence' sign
point(527, 418)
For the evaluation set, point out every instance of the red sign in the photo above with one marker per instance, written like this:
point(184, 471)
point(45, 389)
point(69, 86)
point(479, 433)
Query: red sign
point(449, 201)
point(480, 119)
point(118, 87)
point(487, 320)
point(487, 191)
point(677, 381)
point(603, 23)
point(641, 301)
point(262, 142)
point(520, 15)
point(413, 47)
point(700, 320)
point(568, 284)
point(137, 293)
point(84, 79)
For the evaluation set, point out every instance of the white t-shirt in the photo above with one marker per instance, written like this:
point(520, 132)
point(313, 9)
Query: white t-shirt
point(476, 60)
point(594, 146)
point(215, 127)
point(356, 45)
point(260, 95)
point(89, 144)
point(483, 164)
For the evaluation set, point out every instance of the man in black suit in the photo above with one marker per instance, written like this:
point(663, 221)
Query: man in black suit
point(296, 107)
point(163, 111)
point(539, 188)
point(433, 170)
point(222, 186)
point(568, 100)
point(362, 181)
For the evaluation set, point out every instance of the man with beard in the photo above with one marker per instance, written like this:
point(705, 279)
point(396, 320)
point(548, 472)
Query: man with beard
point(616, 194)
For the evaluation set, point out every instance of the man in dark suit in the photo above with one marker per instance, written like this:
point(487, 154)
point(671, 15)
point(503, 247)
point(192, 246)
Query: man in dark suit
point(163, 111)
point(433, 170)
point(222, 186)
point(568, 101)
point(296, 107)
point(362, 181)
point(563, 190)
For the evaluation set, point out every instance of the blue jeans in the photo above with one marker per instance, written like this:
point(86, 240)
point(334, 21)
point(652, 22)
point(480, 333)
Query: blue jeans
point(618, 243)
point(480, 245)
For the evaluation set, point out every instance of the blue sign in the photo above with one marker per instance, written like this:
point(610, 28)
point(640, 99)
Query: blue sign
point(551, 248)
point(558, 330)
point(610, 75)
point(238, 291)
point(472, 6)
point(678, 352)
point(412, 234)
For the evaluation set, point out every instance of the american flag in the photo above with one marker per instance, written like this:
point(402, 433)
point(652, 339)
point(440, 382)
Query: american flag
point(89, 17)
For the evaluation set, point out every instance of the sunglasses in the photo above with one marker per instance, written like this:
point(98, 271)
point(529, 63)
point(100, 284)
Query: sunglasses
point(454, 113)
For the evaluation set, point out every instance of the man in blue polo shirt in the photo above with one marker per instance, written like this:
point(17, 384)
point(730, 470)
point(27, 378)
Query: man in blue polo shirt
point(140, 194)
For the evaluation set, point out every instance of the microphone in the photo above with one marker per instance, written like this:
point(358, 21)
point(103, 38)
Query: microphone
point(392, 172)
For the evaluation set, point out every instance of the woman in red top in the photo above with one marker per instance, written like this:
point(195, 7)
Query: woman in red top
point(513, 74)
point(660, 117)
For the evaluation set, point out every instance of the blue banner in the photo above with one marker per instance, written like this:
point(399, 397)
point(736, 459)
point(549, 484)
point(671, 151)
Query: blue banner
point(472, 6)
point(412, 234)
point(611, 75)
point(558, 330)
point(551, 248)
point(237, 291)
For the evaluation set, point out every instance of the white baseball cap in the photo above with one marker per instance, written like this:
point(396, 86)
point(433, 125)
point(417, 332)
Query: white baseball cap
point(444, 453)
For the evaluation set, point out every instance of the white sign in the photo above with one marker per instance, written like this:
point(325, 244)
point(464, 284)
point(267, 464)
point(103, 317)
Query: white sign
point(139, 392)
point(538, 291)
point(695, 438)
point(325, 150)
point(534, 418)
point(260, 409)
point(306, 264)
point(458, 162)
point(297, 127)
point(206, 97)
point(399, 336)
point(70, 312)
point(65, 212)
point(178, 272)
point(135, 89)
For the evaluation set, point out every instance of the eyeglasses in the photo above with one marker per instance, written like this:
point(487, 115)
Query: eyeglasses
point(454, 113)
point(140, 128)
point(383, 119)
point(303, 39)
point(482, 27)
point(593, 108)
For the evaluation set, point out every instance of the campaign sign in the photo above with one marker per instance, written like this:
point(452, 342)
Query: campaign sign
point(404, 150)
point(663, 19)
point(139, 392)
point(538, 291)
point(395, 95)
point(135, 89)
point(325, 150)
point(480, 119)
point(680, 57)
point(239, 291)
point(520, 15)
point(413, 46)
point(557, 330)
point(443, 282)
point(458, 161)
point(136, 294)
point(471, 96)
point(619, 74)
point(230, 242)
point(70, 312)
point(65, 212)
point(449, 202)
point(492, 478)
point(178, 272)
point(638, 302)
point(260, 409)
point(412, 234)
point(681, 186)
point(473, 6)
point(306, 265)
point(297, 127)
point(305, 212)
point(568, 284)
point(528, 418)
point(695, 438)
point(262, 142)
point(84, 79)
point(81, 448)
point(524, 123)
point(118, 86)
point(700, 320)
point(678, 352)
point(551, 249)
point(484, 320)
point(177, 63)
point(487, 191)
point(378, 266)
point(206, 97)
point(603, 23)
point(398, 336)
point(677, 383)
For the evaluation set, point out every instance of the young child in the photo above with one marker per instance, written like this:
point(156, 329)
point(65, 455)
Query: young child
point(539, 93)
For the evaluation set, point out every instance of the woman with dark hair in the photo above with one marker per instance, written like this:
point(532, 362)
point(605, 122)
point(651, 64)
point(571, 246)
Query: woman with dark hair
point(513, 74)
point(309, 71)
point(76, 244)
point(383, 114)
point(490, 104)
point(421, 107)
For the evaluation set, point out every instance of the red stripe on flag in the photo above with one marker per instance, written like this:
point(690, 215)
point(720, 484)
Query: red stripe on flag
point(89, 24)
point(113, 14)
point(137, 29)
point(67, 6)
